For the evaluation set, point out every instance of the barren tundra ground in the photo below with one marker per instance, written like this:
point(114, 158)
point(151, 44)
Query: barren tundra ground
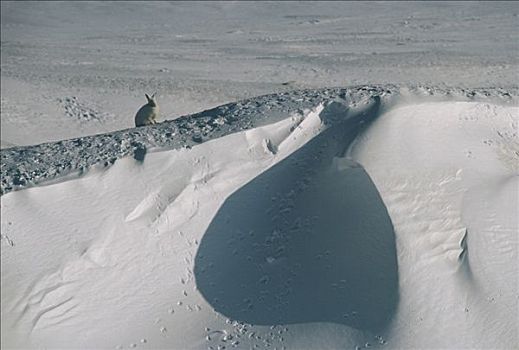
point(324, 175)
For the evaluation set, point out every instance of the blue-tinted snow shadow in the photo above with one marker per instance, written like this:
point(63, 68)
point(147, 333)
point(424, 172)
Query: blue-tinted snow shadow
point(309, 240)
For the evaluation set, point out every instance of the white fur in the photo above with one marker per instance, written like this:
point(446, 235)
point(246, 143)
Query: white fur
point(148, 113)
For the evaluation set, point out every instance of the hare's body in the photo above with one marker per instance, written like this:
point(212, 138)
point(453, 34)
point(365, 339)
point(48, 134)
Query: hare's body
point(148, 113)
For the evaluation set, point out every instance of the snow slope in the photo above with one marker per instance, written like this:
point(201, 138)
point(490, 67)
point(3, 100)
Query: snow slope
point(449, 176)
point(132, 255)
point(381, 215)
point(286, 242)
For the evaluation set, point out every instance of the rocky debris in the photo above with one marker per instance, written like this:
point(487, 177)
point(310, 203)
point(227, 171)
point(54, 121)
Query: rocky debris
point(139, 151)
point(30, 165)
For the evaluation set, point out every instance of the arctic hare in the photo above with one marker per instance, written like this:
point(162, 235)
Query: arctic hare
point(148, 113)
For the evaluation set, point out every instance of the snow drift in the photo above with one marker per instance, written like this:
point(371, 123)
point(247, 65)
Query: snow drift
point(307, 240)
point(358, 224)
point(448, 173)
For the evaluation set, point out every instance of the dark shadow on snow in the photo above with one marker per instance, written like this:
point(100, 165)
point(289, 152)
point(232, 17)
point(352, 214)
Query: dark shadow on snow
point(308, 240)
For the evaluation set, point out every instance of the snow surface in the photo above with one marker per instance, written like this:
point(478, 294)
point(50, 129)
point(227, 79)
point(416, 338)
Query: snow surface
point(73, 69)
point(362, 216)
point(286, 241)
point(449, 176)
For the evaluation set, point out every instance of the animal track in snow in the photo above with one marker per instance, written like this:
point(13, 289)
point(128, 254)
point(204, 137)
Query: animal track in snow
point(80, 111)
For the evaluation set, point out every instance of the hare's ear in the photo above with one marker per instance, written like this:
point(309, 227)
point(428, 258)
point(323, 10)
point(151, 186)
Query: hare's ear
point(148, 97)
point(153, 96)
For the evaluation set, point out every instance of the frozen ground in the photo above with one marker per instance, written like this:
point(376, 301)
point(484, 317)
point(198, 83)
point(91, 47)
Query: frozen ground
point(370, 216)
point(76, 68)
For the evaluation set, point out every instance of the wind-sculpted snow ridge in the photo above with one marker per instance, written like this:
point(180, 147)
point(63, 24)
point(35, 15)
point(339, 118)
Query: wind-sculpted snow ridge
point(306, 219)
point(376, 218)
point(29, 165)
point(136, 244)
